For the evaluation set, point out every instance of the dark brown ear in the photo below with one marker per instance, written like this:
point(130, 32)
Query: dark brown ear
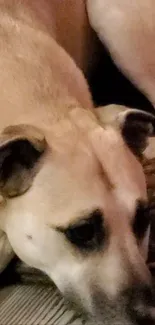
point(20, 148)
point(135, 125)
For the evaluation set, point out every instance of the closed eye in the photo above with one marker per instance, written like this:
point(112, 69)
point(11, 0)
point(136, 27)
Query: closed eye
point(142, 219)
point(88, 234)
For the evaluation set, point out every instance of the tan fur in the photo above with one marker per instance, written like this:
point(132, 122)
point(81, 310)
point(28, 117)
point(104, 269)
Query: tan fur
point(81, 167)
point(127, 28)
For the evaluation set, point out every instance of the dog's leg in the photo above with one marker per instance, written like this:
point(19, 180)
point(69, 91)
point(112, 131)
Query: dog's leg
point(127, 28)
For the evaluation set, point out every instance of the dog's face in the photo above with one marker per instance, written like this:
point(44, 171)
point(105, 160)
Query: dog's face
point(76, 208)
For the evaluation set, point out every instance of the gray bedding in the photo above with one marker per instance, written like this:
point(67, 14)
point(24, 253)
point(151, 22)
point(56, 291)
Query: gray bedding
point(23, 304)
point(27, 297)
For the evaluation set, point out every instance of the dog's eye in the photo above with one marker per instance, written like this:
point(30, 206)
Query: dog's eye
point(87, 234)
point(142, 220)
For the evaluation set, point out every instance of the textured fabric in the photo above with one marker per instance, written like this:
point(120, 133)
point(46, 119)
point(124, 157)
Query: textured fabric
point(35, 305)
point(28, 297)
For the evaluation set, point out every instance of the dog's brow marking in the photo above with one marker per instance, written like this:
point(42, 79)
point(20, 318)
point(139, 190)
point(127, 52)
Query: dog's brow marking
point(82, 217)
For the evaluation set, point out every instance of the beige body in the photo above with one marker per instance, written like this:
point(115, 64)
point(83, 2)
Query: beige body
point(127, 28)
point(58, 163)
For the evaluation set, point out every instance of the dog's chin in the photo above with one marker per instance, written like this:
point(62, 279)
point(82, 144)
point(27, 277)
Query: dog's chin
point(123, 311)
point(122, 320)
point(112, 321)
point(109, 316)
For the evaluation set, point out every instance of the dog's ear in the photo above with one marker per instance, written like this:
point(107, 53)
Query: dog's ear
point(135, 125)
point(20, 148)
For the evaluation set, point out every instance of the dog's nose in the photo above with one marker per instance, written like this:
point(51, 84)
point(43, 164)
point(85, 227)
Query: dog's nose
point(142, 305)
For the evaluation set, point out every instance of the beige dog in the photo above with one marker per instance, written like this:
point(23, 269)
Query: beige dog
point(73, 193)
point(127, 28)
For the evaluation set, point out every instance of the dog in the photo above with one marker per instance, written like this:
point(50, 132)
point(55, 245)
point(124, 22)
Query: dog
point(73, 198)
point(127, 29)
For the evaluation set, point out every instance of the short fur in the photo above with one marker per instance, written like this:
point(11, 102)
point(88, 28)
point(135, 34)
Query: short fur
point(63, 166)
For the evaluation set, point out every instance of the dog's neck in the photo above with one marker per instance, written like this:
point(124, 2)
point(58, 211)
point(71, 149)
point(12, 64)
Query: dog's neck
point(33, 13)
point(67, 21)
point(48, 84)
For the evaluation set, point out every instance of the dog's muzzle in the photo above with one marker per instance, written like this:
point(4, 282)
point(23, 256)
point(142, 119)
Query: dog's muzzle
point(135, 306)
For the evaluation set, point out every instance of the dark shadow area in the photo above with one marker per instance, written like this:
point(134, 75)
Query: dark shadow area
point(108, 86)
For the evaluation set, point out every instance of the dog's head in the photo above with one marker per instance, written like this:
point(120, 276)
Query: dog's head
point(75, 206)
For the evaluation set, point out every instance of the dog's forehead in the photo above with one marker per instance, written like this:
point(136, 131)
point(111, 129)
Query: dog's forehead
point(82, 139)
point(98, 172)
point(118, 162)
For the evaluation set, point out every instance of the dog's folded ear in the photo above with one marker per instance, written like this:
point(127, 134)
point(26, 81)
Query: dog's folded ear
point(135, 125)
point(20, 148)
